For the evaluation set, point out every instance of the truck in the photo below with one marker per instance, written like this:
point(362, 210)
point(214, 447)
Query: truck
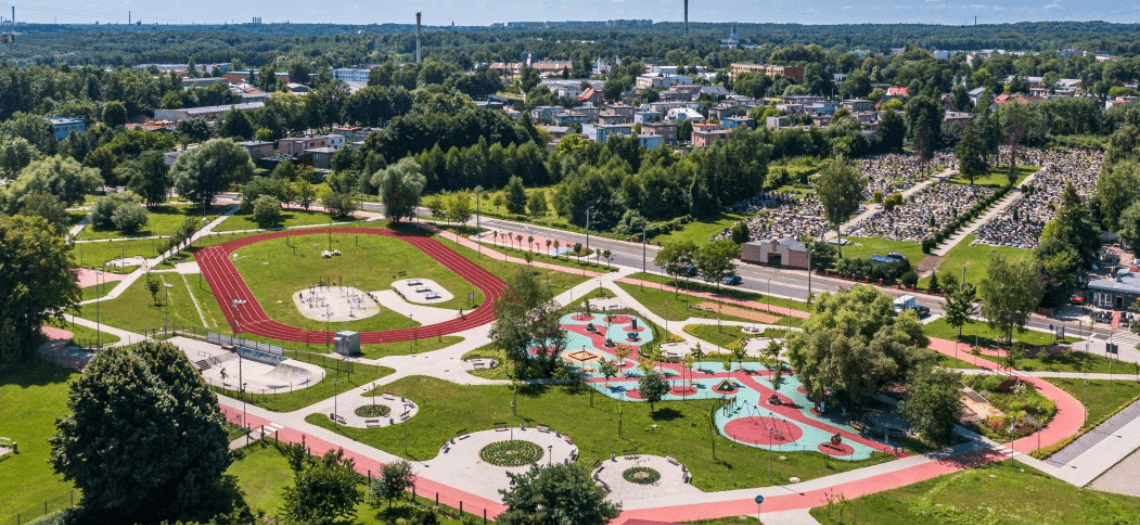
point(908, 302)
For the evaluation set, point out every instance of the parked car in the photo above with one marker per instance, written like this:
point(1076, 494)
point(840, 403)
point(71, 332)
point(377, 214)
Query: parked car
point(732, 280)
point(1077, 298)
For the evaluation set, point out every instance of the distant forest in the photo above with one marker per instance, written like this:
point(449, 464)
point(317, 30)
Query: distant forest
point(345, 45)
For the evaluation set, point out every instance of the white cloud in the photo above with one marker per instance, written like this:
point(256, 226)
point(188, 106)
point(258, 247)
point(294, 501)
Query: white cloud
point(1054, 5)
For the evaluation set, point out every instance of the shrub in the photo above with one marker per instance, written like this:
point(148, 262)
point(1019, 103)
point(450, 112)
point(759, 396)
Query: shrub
point(130, 217)
point(267, 211)
point(909, 278)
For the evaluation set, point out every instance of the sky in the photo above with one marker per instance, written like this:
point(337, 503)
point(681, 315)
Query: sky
point(485, 12)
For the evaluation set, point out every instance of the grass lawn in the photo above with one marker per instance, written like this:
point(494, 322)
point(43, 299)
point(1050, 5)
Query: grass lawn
point(675, 307)
point(701, 230)
point(95, 254)
point(1101, 398)
point(97, 290)
point(539, 254)
point(263, 474)
point(84, 336)
point(296, 400)
point(682, 430)
point(492, 351)
point(976, 258)
point(995, 493)
point(289, 219)
point(998, 176)
point(135, 310)
point(33, 396)
point(989, 337)
point(162, 220)
point(559, 281)
point(729, 336)
point(865, 247)
point(726, 291)
point(274, 272)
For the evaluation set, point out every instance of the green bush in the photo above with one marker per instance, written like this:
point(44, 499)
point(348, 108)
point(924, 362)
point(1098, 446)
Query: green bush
point(267, 211)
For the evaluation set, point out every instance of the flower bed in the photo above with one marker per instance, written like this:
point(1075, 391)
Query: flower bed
point(511, 453)
point(373, 411)
point(641, 475)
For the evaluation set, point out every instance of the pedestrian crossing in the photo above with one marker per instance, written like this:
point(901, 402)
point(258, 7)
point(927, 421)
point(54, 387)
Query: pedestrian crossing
point(271, 429)
point(1018, 373)
point(1006, 451)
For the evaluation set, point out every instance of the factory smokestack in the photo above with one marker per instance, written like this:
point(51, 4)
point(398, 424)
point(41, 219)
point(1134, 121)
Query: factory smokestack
point(13, 16)
point(418, 37)
point(686, 17)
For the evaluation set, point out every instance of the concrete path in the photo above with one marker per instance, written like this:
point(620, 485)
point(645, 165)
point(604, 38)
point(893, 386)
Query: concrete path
point(958, 237)
point(74, 231)
point(1121, 479)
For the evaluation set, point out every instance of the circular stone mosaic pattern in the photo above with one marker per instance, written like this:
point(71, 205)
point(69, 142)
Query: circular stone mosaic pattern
point(515, 453)
point(641, 475)
point(373, 411)
point(763, 430)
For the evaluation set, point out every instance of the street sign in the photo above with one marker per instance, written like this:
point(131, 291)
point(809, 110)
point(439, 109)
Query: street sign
point(759, 499)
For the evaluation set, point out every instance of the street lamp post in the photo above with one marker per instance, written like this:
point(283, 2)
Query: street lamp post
point(166, 314)
point(478, 224)
point(335, 411)
point(644, 242)
point(98, 317)
point(588, 210)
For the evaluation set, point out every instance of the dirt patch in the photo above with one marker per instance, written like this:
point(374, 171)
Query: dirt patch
point(928, 264)
point(751, 315)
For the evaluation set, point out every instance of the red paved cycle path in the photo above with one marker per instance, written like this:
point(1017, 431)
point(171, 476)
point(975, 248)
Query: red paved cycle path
point(228, 286)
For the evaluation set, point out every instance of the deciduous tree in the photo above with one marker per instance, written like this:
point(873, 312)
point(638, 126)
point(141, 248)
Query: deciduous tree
point(839, 187)
point(560, 494)
point(400, 186)
point(203, 172)
point(933, 404)
point(1010, 292)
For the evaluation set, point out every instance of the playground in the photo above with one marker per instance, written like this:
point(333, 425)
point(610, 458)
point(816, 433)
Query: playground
point(755, 413)
point(255, 279)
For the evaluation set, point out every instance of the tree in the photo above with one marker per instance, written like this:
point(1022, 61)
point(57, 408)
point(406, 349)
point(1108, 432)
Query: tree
point(114, 114)
point(853, 345)
point(536, 203)
point(1117, 188)
point(714, 259)
point(971, 152)
point(154, 286)
point(459, 207)
point(130, 217)
point(527, 318)
point(36, 283)
point(1010, 292)
point(1016, 122)
point(924, 125)
point(304, 192)
point(395, 478)
point(133, 473)
point(203, 172)
point(560, 494)
point(933, 287)
point(516, 195)
point(676, 258)
point(933, 404)
point(608, 368)
point(15, 154)
point(652, 387)
point(59, 176)
point(959, 305)
point(236, 125)
point(840, 188)
point(49, 208)
point(1074, 226)
point(891, 131)
point(740, 233)
point(325, 490)
point(267, 211)
point(339, 204)
point(1129, 227)
point(401, 185)
point(148, 176)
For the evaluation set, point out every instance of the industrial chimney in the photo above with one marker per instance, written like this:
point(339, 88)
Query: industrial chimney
point(418, 37)
point(686, 17)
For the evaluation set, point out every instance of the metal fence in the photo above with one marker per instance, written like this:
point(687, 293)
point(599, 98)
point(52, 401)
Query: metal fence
point(55, 503)
point(222, 340)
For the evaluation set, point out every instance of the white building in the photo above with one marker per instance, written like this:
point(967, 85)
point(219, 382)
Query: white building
point(347, 74)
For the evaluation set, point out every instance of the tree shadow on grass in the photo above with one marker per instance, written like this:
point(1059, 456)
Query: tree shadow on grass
point(666, 414)
point(533, 389)
point(33, 373)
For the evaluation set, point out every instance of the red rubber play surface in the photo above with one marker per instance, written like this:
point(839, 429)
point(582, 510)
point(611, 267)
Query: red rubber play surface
point(842, 449)
point(250, 318)
point(763, 430)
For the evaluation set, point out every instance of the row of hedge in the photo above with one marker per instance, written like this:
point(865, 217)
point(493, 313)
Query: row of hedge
point(930, 243)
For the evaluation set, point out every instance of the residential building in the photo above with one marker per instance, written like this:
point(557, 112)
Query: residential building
point(612, 118)
point(248, 92)
point(856, 105)
point(778, 122)
point(204, 112)
point(661, 82)
point(679, 114)
point(957, 118)
point(896, 92)
point(790, 109)
point(299, 145)
point(781, 253)
point(297, 88)
point(603, 132)
point(704, 138)
point(651, 141)
point(625, 110)
point(61, 127)
point(558, 132)
point(346, 74)
point(738, 122)
point(590, 95)
point(795, 73)
point(322, 157)
point(354, 134)
point(643, 117)
point(665, 130)
point(257, 149)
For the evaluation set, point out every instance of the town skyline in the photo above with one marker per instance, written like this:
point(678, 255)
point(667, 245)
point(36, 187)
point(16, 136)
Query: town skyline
point(446, 12)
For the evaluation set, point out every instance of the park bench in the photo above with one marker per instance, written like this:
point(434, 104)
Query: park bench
point(477, 365)
point(573, 455)
point(432, 296)
point(423, 290)
point(567, 438)
point(543, 428)
point(671, 460)
point(371, 423)
point(501, 427)
point(404, 417)
point(604, 486)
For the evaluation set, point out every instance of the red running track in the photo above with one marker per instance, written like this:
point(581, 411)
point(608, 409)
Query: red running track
point(250, 318)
